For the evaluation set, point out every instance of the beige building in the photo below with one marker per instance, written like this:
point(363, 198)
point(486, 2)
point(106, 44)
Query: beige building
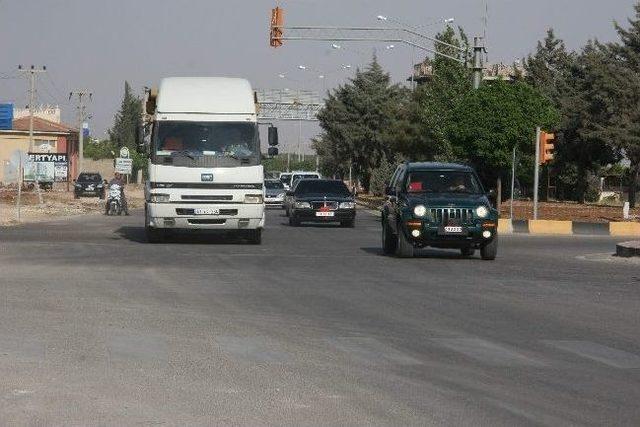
point(48, 138)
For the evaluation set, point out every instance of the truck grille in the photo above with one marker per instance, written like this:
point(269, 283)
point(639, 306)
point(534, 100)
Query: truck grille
point(444, 216)
point(225, 212)
point(330, 205)
point(198, 197)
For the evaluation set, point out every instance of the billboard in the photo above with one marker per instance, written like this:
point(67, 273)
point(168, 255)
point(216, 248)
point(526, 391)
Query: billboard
point(6, 116)
point(46, 167)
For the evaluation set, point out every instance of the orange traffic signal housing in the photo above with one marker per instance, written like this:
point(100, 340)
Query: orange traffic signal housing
point(546, 147)
point(277, 22)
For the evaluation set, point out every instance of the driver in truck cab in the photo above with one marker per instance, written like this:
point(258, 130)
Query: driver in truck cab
point(117, 180)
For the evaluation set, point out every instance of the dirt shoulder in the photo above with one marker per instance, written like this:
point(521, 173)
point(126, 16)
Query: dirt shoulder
point(56, 204)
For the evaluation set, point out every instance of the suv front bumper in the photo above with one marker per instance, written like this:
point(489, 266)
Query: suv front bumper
point(434, 235)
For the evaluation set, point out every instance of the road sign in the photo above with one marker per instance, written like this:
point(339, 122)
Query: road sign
point(123, 165)
point(124, 152)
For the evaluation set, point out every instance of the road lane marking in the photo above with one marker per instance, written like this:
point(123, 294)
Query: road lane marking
point(487, 352)
point(600, 353)
point(372, 350)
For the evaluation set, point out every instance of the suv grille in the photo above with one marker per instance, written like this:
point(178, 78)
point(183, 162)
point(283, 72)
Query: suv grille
point(331, 205)
point(443, 216)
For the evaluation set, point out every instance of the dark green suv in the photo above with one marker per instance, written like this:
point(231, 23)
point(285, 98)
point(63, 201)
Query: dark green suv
point(439, 205)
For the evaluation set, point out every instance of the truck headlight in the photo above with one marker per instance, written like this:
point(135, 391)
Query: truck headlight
point(420, 211)
point(255, 199)
point(482, 211)
point(303, 205)
point(159, 198)
point(347, 205)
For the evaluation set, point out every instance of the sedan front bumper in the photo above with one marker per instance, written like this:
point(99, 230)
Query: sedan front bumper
point(310, 215)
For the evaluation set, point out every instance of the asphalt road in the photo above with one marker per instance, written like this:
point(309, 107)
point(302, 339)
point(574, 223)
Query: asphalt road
point(313, 327)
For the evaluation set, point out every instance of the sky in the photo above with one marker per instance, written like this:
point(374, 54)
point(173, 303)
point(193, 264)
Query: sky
point(96, 45)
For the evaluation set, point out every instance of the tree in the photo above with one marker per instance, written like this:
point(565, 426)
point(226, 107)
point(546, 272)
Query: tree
point(570, 81)
point(489, 122)
point(621, 86)
point(123, 132)
point(434, 101)
point(356, 120)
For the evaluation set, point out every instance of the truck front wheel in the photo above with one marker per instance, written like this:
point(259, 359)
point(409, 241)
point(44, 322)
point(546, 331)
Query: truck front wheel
point(255, 236)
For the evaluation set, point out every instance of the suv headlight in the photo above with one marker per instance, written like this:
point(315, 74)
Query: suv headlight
point(482, 211)
point(420, 211)
point(255, 199)
point(303, 205)
point(159, 198)
point(347, 205)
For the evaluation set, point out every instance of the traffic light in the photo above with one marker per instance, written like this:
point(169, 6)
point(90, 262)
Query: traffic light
point(546, 147)
point(277, 22)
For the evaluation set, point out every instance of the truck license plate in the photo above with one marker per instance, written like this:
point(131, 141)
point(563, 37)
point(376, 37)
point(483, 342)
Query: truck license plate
point(453, 229)
point(321, 213)
point(206, 211)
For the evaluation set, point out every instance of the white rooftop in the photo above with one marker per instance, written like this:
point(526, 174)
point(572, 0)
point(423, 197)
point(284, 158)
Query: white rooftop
point(208, 95)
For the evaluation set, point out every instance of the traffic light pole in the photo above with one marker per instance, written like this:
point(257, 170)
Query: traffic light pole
point(536, 174)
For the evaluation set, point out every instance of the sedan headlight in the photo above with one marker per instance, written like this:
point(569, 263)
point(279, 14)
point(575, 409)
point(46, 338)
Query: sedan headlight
point(159, 198)
point(255, 199)
point(482, 211)
point(420, 211)
point(347, 205)
point(303, 205)
point(77, 185)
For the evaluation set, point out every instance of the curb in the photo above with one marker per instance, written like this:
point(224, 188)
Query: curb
point(628, 249)
point(568, 228)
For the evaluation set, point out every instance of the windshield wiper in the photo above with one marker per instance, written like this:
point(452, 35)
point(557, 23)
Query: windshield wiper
point(187, 153)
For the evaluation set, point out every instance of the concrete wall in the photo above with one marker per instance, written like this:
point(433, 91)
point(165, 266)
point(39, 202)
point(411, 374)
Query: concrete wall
point(104, 167)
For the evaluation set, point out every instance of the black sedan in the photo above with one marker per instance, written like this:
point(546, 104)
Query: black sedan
point(322, 200)
point(89, 184)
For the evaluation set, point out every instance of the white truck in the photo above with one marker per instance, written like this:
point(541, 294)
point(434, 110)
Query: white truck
point(205, 172)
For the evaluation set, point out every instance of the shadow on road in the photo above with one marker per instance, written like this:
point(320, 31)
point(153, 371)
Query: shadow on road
point(137, 235)
point(424, 253)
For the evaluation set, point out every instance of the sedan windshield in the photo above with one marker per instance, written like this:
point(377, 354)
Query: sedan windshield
point(237, 140)
point(274, 185)
point(89, 177)
point(316, 186)
point(443, 182)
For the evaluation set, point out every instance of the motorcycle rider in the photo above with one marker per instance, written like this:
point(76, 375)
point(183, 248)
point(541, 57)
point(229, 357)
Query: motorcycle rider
point(117, 180)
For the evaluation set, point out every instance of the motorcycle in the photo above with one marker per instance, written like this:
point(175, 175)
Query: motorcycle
point(114, 202)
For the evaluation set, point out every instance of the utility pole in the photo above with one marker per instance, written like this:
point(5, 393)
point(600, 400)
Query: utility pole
point(478, 50)
point(536, 174)
point(32, 72)
point(81, 95)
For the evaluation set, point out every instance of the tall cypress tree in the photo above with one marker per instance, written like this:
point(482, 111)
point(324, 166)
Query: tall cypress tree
point(123, 132)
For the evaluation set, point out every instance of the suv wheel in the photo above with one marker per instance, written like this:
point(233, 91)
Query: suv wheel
point(404, 248)
point(489, 251)
point(389, 241)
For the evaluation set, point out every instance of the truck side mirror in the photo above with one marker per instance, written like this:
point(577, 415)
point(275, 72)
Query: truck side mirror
point(273, 151)
point(140, 145)
point(273, 136)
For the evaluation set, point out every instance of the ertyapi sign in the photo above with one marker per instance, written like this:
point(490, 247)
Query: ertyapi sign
point(47, 167)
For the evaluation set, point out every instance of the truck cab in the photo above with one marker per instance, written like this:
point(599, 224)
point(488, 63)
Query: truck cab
point(205, 169)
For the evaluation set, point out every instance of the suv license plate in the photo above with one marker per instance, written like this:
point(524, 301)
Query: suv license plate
point(453, 229)
point(321, 213)
point(206, 211)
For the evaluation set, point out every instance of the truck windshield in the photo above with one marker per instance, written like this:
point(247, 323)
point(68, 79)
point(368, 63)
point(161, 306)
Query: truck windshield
point(236, 140)
point(434, 181)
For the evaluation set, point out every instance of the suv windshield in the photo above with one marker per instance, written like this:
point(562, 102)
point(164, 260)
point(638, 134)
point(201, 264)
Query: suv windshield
point(315, 186)
point(274, 185)
point(235, 140)
point(89, 177)
point(434, 181)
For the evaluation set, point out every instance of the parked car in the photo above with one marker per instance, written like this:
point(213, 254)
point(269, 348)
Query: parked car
point(438, 205)
point(89, 184)
point(289, 179)
point(274, 193)
point(322, 200)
